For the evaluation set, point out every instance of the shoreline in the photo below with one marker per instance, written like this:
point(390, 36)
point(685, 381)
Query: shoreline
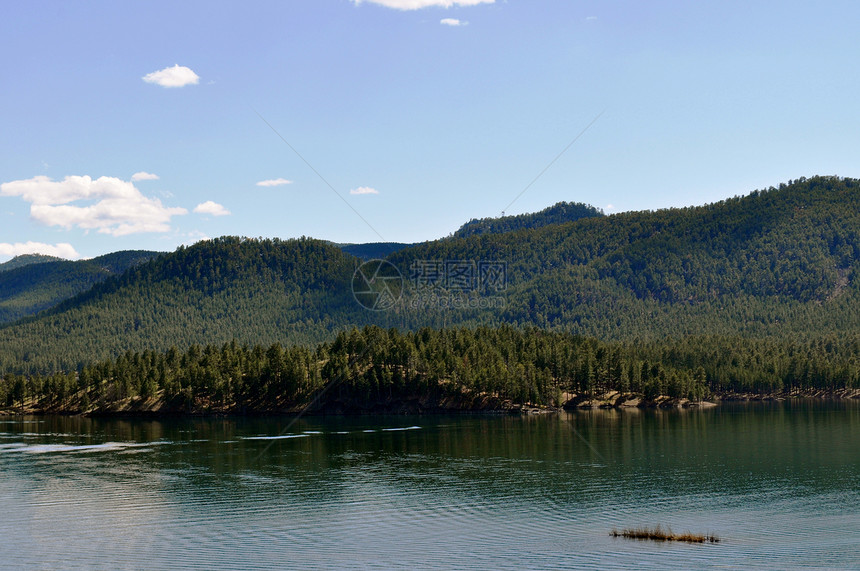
point(157, 408)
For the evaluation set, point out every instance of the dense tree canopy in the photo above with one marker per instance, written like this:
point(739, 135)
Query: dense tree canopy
point(373, 369)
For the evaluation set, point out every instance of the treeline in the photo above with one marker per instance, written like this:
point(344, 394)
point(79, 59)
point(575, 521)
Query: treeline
point(827, 363)
point(374, 369)
point(363, 369)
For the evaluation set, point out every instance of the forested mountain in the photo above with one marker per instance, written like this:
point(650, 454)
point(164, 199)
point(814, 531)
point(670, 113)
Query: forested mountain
point(780, 261)
point(778, 264)
point(294, 291)
point(556, 214)
point(33, 283)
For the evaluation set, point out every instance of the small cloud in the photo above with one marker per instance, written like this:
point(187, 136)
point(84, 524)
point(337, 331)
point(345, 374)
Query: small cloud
point(609, 207)
point(454, 22)
point(191, 238)
point(364, 190)
point(274, 182)
point(63, 250)
point(212, 208)
point(176, 76)
point(143, 176)
point(419, 4)
point(591, 18)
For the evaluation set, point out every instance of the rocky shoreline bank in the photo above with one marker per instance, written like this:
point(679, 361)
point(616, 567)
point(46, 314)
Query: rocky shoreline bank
point(482, 404)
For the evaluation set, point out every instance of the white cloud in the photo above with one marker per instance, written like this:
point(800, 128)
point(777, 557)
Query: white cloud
point(274, 182)
point(452, 22)
point(419, 4)
point(176, 76)
point(63, 250)
point(609, 207)
point(143, 176)
point(212, 208)
point(364, 190)
point(116, 206)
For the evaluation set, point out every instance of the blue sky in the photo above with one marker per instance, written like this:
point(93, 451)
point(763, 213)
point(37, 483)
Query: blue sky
point(408, 117)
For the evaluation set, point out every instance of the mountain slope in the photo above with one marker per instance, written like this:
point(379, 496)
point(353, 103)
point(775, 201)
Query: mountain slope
point(780, 263)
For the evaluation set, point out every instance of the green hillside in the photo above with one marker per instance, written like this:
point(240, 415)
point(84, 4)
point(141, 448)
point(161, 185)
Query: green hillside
point(35, 283)
point(777, 264)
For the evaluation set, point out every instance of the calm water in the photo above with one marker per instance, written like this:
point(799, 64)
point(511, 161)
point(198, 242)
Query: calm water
point(780, 483)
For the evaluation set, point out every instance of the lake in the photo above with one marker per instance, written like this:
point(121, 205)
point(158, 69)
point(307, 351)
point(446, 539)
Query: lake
point(778, 482)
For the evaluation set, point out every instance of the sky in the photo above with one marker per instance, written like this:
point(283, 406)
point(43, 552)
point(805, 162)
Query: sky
point(150, 125)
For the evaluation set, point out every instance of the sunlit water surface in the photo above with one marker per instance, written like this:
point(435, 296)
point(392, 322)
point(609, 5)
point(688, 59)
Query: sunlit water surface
point(778, 482)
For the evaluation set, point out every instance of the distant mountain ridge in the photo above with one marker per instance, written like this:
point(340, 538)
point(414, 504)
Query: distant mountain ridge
point(559, 213)
point(373, 250)
point(26, 260)
point(30, 292)
point(34, 283)
point(777, 263)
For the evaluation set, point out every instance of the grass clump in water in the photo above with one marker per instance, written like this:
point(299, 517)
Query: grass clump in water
point(660, 534)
